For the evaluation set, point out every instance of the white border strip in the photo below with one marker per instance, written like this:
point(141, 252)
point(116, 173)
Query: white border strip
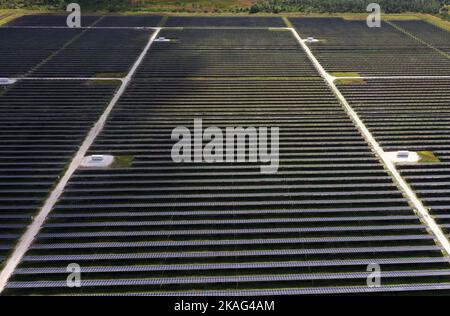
point(33, 229)
point(389, 165)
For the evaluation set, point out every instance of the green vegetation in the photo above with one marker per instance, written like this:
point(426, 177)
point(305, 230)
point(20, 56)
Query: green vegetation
point(205, 6)
point(248, 78)
point(345, 74)
point(336, 6)
point(428, 156)
point(22, 4)
point(122, 162)
point(348, 81)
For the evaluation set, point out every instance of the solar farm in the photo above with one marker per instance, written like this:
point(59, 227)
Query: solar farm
point(146, 225)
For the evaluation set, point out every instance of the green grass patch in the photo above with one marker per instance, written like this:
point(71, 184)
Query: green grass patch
point(110, 75)
point(349, 81)
point(122, 162)
point(345, 74)
point(427, 156)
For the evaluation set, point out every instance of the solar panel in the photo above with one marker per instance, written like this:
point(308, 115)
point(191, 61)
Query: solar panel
point(221, 53)
point(24, 49)
point(427, 32)
point(150, 226)
point(42, 125)
point(416, 119)
point(130, 21)
point(347, 46)
point(227, 21)
point(51, 20)
point(97, 53)
point(287, 224)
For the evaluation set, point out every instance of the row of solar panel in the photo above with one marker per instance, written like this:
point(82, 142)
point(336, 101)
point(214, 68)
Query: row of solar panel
point(150, 226)
point(412, 115)
point(151, 21)
point(326, 203)
point(331, 202)
point(103, 53)
point(45, 122)
point(42, 124)
point(110, 53)
point(69, 52)
point(385, 51)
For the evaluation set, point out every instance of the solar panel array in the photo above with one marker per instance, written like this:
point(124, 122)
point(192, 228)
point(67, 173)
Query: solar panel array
point(50, 20)
point(150, 226)
point(70, 53)
point(330, 202)
point(226, 21)
point(42, 123)
point(351, 46)
point(221, 53)
point(427, 32)
point(412, 115)
point(97, 53)
point(130, 21)
point(24, 49)
point(150, 21)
